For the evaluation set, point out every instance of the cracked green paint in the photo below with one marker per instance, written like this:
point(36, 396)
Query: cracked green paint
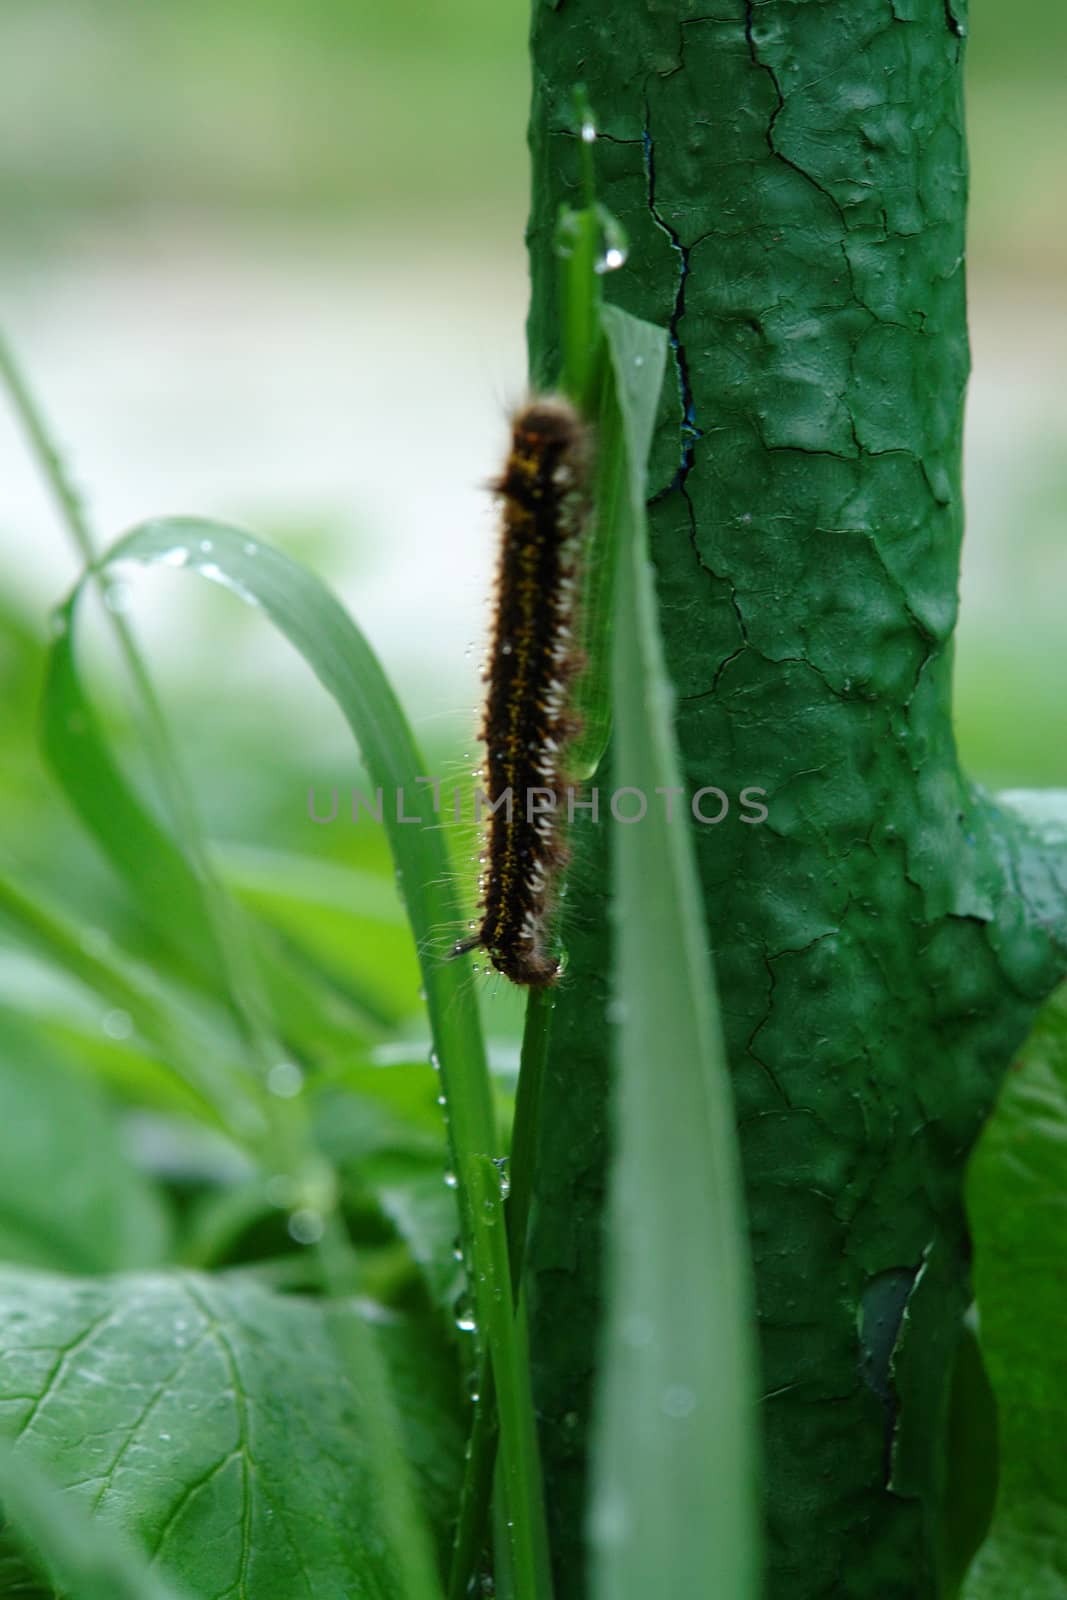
point(792, 178)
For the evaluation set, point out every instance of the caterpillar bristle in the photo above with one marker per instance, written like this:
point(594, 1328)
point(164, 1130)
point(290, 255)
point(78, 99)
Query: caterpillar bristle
point(527, 722)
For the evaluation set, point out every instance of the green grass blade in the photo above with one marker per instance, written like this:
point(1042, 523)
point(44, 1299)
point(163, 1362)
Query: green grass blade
point(319, 628)
point(674, 1508)
point(225, 943)
point(182, 1044)
point(168, 893)
point(481, 1457)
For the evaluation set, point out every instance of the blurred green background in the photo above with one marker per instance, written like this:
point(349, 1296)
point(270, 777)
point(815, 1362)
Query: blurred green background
point(264, 261)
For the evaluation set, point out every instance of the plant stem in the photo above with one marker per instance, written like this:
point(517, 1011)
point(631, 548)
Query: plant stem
point(471, 1528)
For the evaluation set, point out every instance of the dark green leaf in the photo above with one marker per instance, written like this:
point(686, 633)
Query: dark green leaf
point(232, 1432)
point(1017, 1200)
point(83, 1558)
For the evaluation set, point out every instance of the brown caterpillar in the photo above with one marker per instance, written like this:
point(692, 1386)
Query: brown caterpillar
point(545, 499)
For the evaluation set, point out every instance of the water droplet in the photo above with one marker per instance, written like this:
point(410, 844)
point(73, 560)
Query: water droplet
point(607, 1520)
point(442, 1100)
point(612, 259)
point(206, 546)
point(165, 1438)
point(466, 1323)
point(435, 1061)
point(588, 131)
point(176, 557)
point(505, 649)
point(306, 1226)
point(451, 1181)
point(117, 1024)
point(501, 1164)
point(678, 1401)
point(285, 1080)
point(639, 361)
point(249, 548)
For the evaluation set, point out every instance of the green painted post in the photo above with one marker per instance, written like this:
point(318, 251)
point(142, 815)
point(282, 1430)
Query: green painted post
point(792, 177)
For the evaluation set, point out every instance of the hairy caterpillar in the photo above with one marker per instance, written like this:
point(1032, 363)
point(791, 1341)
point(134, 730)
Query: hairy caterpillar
point(544, 492)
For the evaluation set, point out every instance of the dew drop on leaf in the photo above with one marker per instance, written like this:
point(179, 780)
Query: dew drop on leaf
point(285, 1080)
point(306, 1226)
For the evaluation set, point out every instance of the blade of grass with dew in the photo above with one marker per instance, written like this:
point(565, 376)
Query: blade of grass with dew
point(481, 1459)
point(589, 242)
point(674, 1504)
point(323, 633)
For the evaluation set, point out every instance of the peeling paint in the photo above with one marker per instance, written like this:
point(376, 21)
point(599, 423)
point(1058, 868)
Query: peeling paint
point(794, 185)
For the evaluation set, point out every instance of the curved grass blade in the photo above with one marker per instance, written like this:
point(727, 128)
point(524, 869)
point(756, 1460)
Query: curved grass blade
point(675, 1503)
point(168, 894)
point(188, 915)
point(319, 628)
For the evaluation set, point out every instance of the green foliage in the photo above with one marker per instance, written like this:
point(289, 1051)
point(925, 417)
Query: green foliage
point(242, 1311)
point(69, 1197)
point(1015, 1196)
point(234, 1015)
point(76, 1554)
point(223, 1423)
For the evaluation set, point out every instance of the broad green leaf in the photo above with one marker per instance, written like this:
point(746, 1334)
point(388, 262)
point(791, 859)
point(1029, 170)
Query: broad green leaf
point(77, 1555)
point(1017, 1202)
point(674, 1508)
point(971, 1462)
point(233, 1433)
point(69, 1195)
